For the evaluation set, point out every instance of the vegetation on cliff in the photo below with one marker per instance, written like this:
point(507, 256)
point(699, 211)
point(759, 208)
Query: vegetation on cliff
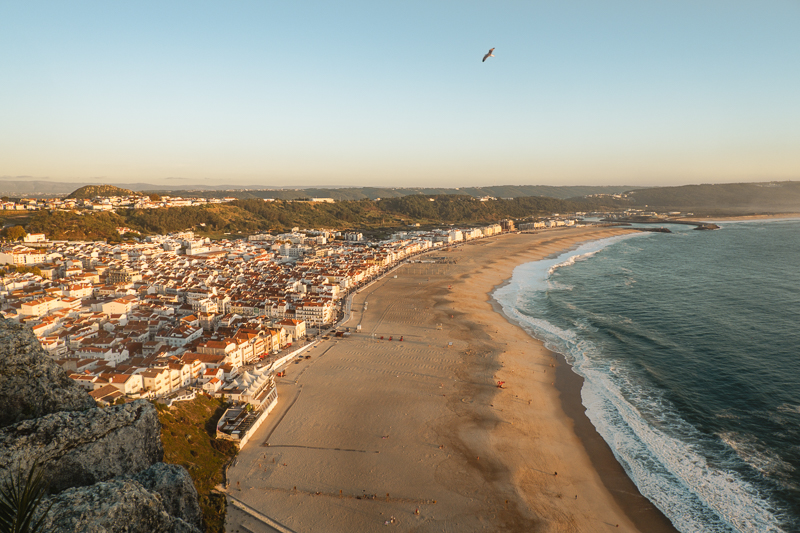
point(76, 226)
point(213, 218)
point(188, 433)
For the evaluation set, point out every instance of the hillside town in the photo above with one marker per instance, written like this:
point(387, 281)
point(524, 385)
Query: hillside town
point(172, 313)
point(110, 203)
point(123, 201)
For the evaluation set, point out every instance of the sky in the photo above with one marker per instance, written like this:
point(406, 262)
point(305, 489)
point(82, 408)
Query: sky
point(394, 94)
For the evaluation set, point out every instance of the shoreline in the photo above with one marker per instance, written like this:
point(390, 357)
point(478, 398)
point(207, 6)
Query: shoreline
point(744, 218)
point(417, 435)
point(641, 511)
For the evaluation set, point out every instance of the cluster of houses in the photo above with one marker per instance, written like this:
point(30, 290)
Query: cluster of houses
point(545, 224)
point(111, 203)
point(106, 203)
point(152, 318)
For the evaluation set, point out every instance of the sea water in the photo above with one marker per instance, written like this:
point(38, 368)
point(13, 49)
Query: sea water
point(689, 345)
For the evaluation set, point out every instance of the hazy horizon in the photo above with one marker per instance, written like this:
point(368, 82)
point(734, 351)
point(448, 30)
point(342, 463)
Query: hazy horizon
point(362, 94)
point(190, 185)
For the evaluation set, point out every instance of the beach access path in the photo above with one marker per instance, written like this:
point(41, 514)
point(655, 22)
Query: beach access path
point(415, 435)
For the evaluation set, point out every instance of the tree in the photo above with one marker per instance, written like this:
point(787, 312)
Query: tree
point(20, 269)
point(155, 197)
point(14, 233)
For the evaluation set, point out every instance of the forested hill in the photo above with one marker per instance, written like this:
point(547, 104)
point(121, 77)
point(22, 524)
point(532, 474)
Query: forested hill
point(106, 191)
point(254, 215)
point(730, 198)
point(451, 208)
point(250, 216)
point(33, 187)
point(374, 193)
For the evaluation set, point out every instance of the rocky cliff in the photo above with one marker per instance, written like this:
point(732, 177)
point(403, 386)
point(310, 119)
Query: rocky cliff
point(31, 383)
point(82, 448)
point(160, 499)
point(102, 465)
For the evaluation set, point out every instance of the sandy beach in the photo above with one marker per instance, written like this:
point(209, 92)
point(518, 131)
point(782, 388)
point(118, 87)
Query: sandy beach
point(743, 218)
point(415, 435)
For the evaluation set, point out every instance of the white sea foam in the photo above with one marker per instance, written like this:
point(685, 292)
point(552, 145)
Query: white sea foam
point(661, 453)
point(572, 260)
point(673, 472)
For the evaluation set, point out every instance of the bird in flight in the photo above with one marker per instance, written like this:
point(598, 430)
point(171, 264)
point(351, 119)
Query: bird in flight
point(488, 54)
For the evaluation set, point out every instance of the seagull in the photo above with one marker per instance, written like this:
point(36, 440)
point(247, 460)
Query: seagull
point(488, 54)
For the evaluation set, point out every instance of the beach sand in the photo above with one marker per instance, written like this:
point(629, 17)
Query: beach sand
point(742, 218)
point(374, 434)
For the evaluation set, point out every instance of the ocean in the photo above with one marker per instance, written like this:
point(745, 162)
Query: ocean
point(689, 346)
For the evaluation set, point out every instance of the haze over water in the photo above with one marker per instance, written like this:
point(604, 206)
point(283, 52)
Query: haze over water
point(688, 344)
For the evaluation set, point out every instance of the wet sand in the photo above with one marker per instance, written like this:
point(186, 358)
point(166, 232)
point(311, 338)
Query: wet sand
point(416, 436)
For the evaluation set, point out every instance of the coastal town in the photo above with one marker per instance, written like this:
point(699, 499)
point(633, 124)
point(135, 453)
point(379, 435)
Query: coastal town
point(165, 317)
point(106, 203)
point(333, 267)
point(229, 322)
point(174, 315)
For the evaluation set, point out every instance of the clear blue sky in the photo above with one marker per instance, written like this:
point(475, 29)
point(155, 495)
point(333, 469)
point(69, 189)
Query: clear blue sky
point(394, 93)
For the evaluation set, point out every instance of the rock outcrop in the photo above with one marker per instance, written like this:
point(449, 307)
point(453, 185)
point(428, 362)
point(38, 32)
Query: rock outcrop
point(118, 505)
point(707, 226)
point(82, 448)
point(175, 486)
point(31, 383)
point(103, 466)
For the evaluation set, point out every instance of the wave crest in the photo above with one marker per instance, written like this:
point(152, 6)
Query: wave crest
point(663, 454)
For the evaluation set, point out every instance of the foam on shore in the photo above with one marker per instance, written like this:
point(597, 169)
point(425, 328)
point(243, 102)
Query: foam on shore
point(418, 430)
point(697, 496)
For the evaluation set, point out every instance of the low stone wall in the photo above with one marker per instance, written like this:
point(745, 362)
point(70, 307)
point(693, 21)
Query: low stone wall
point(186, 396)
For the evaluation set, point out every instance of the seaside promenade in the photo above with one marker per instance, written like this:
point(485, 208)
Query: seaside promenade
point(415, 435)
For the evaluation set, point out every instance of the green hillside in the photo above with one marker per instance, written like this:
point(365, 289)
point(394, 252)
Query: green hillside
point(731, 198)
point(254, 215)
point(103, 191)
point(73, 226)
point(373, 193)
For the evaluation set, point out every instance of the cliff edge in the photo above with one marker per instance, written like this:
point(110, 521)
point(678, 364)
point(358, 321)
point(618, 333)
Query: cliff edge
point(31, 383)
point(103, 466)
